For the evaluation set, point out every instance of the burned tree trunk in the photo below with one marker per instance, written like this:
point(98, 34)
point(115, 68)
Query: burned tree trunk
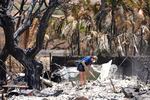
point(100, 16)
point(33, 69)
point(113, 24)
point(5, 23)
point(3, 57)
point(2, 73)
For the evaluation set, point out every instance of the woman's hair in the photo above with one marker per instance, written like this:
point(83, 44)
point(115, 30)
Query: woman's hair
point(94, 57)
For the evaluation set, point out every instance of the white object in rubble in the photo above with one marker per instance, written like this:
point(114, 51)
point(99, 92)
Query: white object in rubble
point(67, 73)
point(105, 70)
point(113, 70)
point(64, 73)
point(73, 72)
point(96, 68)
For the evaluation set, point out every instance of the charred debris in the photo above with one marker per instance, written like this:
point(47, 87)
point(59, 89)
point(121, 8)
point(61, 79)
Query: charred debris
point(127, 78)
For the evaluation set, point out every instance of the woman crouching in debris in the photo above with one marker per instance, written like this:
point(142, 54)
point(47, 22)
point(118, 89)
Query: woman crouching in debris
point(82, 64)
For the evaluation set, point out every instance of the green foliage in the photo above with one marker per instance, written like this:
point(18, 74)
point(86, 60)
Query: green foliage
point(82, 27)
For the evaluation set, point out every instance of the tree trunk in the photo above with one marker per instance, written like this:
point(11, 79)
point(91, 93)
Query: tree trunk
point(33, 69)
point(78, 35)
point(101, 15)
point(3, 57)
point(113, 24)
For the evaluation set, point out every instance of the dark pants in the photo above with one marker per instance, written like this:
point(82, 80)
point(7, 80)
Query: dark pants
point(80, 67)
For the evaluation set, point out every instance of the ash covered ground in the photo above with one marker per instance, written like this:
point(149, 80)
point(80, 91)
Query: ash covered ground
point(104, 87)
point(93, 90)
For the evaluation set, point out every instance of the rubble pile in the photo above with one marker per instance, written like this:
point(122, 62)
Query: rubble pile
point(93, 90)
point(104, 87)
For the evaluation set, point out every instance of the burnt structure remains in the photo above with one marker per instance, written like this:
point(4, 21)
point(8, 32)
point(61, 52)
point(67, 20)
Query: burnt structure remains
point(135, 66)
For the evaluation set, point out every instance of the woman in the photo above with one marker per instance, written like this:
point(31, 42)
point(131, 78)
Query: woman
point(83, 63)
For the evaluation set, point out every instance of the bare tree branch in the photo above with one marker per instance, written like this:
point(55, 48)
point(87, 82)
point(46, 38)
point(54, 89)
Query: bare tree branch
point(42, 28)
point(20, 12)
point(27, 22)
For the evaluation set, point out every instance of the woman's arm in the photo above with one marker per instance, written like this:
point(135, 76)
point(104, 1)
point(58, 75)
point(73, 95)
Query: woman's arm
point(83, 63)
